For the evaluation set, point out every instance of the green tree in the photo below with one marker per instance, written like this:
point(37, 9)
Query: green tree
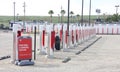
point(78, 18)
point(62, 14)
point(71, 13)
point(113, 18)
point(51, 13)
point(109, 19)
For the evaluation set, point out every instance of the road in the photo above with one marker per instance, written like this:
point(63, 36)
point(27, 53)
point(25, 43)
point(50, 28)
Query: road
point(103, 56)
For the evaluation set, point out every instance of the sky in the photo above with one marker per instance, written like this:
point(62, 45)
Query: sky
point(41, 7)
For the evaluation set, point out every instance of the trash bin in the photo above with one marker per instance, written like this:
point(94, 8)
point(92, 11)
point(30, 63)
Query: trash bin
point(57, 43)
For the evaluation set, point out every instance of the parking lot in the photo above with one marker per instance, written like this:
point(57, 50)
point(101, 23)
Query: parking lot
point(103, 56)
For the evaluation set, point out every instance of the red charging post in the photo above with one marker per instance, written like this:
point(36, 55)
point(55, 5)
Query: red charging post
point(22, 47)
point(52, 40)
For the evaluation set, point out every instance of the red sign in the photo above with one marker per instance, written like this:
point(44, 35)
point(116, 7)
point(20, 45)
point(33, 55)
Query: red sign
point(24, 48)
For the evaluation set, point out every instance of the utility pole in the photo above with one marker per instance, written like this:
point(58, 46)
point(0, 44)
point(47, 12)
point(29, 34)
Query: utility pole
point(82, 13)
point(14, 11)
point(24, 6)
point(68, 16)
point(116, 8)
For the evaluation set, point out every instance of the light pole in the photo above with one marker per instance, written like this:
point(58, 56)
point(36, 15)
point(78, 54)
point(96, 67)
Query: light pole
point(68, 19)
point(61, 15)
point(116, 8)
point(14, 11)
point(82, 12)
point(117, 11)
point(68, 16)
point(17, 17)
point(90, 13)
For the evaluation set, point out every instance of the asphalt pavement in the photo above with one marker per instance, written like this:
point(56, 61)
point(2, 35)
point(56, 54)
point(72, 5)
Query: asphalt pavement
point(102, 56)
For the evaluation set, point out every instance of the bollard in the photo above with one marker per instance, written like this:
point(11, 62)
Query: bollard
point(35, 43)
point(80, 35)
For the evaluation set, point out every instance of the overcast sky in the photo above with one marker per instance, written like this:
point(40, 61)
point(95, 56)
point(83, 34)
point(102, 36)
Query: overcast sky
point(41, 7)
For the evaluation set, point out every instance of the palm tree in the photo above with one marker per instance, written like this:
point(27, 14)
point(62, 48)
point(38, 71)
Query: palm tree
point(62, 14)
point(78, 17)
point(71, 13)
point(50, 13)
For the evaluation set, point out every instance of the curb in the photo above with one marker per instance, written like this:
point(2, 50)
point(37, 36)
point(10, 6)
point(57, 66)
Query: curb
point(5, 57)
point(77, 53)
point(67, 59)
